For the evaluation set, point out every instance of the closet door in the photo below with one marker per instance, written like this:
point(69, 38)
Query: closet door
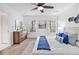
point(4, 30)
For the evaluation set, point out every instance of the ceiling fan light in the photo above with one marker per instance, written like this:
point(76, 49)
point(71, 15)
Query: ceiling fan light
point(42, 11)
point(40, 8)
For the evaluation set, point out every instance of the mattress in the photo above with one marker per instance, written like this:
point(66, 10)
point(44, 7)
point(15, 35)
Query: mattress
point(56, 47)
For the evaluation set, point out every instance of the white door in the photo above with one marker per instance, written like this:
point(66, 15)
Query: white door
point(4, 30)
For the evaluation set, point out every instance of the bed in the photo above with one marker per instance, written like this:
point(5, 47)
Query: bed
point(56, 47)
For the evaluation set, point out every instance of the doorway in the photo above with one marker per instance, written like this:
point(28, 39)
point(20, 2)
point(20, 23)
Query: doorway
point(4, 32)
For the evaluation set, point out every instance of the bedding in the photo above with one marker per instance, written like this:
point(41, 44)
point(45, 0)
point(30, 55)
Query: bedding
point(43, 44)
point(73, 39)
point(62, 37)
point(65, 38)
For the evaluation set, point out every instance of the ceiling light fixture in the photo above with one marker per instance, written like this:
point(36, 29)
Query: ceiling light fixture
point(41, 9)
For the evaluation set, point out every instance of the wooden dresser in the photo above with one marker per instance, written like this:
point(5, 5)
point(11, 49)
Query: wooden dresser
point(18, 37)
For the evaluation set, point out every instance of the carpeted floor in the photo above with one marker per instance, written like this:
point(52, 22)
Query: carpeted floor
point(24, 48)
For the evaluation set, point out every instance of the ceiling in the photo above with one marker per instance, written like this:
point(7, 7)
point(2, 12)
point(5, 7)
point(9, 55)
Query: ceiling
point(25, 8)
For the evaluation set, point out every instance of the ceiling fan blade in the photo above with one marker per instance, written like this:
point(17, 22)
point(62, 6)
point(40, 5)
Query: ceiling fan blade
point(40, 4)
point(48, 6)
point(34, 8)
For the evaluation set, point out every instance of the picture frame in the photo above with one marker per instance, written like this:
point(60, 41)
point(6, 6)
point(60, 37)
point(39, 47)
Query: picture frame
point(42, 24)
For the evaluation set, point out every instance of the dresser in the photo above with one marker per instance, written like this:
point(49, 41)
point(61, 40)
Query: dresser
point(18, 37)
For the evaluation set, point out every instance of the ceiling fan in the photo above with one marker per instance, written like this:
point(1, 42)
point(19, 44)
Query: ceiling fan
point(41, 7)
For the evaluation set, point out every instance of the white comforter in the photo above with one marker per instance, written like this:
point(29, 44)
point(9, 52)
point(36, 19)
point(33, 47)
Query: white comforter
point(56, 47)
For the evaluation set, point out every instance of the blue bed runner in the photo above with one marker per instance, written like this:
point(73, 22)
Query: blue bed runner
point(43, 44)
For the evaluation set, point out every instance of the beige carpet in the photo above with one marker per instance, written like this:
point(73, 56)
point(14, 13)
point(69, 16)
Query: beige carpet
point(25, 47)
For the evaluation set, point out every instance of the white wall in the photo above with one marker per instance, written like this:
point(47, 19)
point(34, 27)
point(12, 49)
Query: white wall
point(37, 18)
point(63, 18)
point(12, 15)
